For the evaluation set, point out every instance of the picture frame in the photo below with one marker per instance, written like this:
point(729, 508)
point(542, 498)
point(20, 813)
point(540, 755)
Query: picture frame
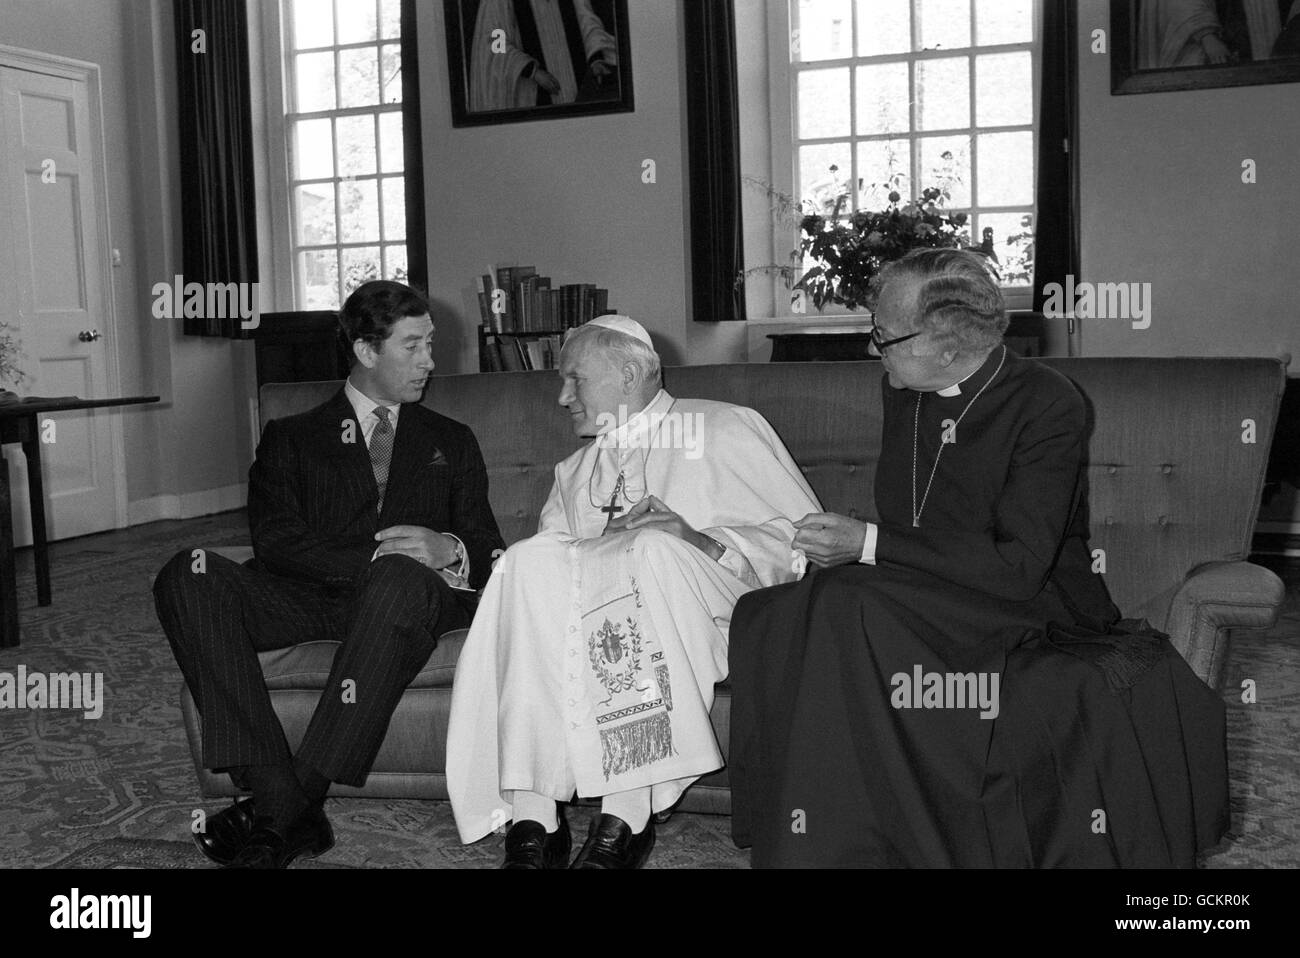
point(513, 61)
point(1163, 45)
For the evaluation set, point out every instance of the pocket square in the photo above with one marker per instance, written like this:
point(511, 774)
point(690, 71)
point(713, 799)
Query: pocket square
point(438, 458)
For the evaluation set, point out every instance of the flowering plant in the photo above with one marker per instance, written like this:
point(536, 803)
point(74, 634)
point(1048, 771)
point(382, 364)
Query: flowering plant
point(10, 353)
point(848, 251)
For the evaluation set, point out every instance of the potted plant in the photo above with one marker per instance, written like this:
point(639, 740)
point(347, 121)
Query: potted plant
point(840, 253)
point(848, 251)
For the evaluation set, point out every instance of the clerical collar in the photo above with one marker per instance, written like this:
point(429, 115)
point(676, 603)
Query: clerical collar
point(626, 434)
point(955, 389)
point(364, 405)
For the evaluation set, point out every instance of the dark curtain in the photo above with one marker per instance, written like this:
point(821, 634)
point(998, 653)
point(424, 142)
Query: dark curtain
point(417, 254)
point(713, 128)
point(218, 215)
point(1056, 224)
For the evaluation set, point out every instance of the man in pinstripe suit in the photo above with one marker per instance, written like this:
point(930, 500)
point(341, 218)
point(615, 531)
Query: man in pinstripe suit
point(371, 525)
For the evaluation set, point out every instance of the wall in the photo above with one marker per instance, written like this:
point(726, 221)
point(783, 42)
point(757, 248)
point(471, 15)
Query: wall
point(1163, 202)
point(566, 196)
point(189, 454)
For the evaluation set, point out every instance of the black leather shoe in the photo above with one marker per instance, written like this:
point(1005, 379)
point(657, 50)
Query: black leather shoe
point(309, 834)
point(528, 845)
point(611, 844)
point(225, 833)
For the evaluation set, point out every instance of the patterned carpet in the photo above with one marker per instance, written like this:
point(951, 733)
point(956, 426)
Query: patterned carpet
point(119, 792)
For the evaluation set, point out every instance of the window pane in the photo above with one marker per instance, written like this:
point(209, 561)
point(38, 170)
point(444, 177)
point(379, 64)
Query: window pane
point(943, 93)
point(823, 103)
point(358, 211)
point(356, 20)
point(313, 150)
point(1004, 21)
point(395, 263)
point(394, 189)
point(314, 213)
point(1006, 169)
point(825, 30)
point(314, 81)
point(359, 79)
point(391, 143)
point(313, 24)
point(884, 27)
point(884, 166)
point(318, 279)
point(351, 203)
point(883, 99)
point(1013, 255)
point(945, 163)
point(820, 185)
point(359, 266)
point(1004, 89)
point(390, 18)
point(356, 145)
point(944, 24)
point(390, 73)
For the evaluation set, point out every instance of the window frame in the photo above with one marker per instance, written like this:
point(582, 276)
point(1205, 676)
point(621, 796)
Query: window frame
point(276, 64)
point(783, 101)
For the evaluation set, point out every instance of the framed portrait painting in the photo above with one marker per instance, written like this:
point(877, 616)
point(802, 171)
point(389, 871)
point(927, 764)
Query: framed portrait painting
point(1159, 45)
point(516, 60)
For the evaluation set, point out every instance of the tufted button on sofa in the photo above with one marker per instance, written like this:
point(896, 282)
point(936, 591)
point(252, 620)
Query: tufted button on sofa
point(1174, 487)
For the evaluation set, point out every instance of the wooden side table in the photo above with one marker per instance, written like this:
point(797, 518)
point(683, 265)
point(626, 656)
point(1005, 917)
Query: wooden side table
point(18, 424)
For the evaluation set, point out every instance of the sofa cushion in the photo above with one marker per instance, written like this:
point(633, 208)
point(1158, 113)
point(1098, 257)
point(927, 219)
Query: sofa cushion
point(307, 666)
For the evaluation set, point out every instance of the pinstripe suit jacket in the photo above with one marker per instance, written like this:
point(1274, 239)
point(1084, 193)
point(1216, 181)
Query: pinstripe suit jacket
point(312, 496)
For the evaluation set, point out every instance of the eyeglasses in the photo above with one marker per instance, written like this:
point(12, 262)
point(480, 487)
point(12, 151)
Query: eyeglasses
point(878, 345)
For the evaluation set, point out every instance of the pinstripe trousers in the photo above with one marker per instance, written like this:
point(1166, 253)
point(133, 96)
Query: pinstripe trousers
point(218, 619)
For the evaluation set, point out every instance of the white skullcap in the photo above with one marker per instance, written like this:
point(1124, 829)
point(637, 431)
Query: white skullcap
point(625, 325)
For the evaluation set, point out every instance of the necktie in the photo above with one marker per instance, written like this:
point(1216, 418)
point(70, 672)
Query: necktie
point(381, 450)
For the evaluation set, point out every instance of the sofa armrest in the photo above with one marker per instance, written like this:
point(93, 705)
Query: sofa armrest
point(1214, 598)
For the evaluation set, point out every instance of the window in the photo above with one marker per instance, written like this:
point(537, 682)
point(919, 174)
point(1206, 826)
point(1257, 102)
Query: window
point(908, 94)
point(343, 124)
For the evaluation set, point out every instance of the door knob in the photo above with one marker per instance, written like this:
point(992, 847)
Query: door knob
point(88, 335)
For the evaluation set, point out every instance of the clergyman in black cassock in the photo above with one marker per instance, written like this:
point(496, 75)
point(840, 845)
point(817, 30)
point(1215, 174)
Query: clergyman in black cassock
point(1098, 745)
point(351, 522)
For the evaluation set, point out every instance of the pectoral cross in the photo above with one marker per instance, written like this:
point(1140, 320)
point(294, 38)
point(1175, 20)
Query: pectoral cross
point(613, 508)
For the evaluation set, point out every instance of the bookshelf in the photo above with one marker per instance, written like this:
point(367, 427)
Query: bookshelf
point(524, 316)
point(516, 352)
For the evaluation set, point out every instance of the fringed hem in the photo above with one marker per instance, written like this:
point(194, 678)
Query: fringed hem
point(635, 744)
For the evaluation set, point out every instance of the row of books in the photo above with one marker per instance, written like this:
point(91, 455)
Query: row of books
point(514, 299)
point(506, 353)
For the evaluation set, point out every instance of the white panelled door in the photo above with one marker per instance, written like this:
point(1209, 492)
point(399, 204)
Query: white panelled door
point(55, 295)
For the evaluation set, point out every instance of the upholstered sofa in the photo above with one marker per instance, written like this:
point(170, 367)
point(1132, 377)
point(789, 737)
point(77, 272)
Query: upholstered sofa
point(1177, 456)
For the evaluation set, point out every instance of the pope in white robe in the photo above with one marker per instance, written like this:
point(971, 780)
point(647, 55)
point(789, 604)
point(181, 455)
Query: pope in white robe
point(591, 661)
